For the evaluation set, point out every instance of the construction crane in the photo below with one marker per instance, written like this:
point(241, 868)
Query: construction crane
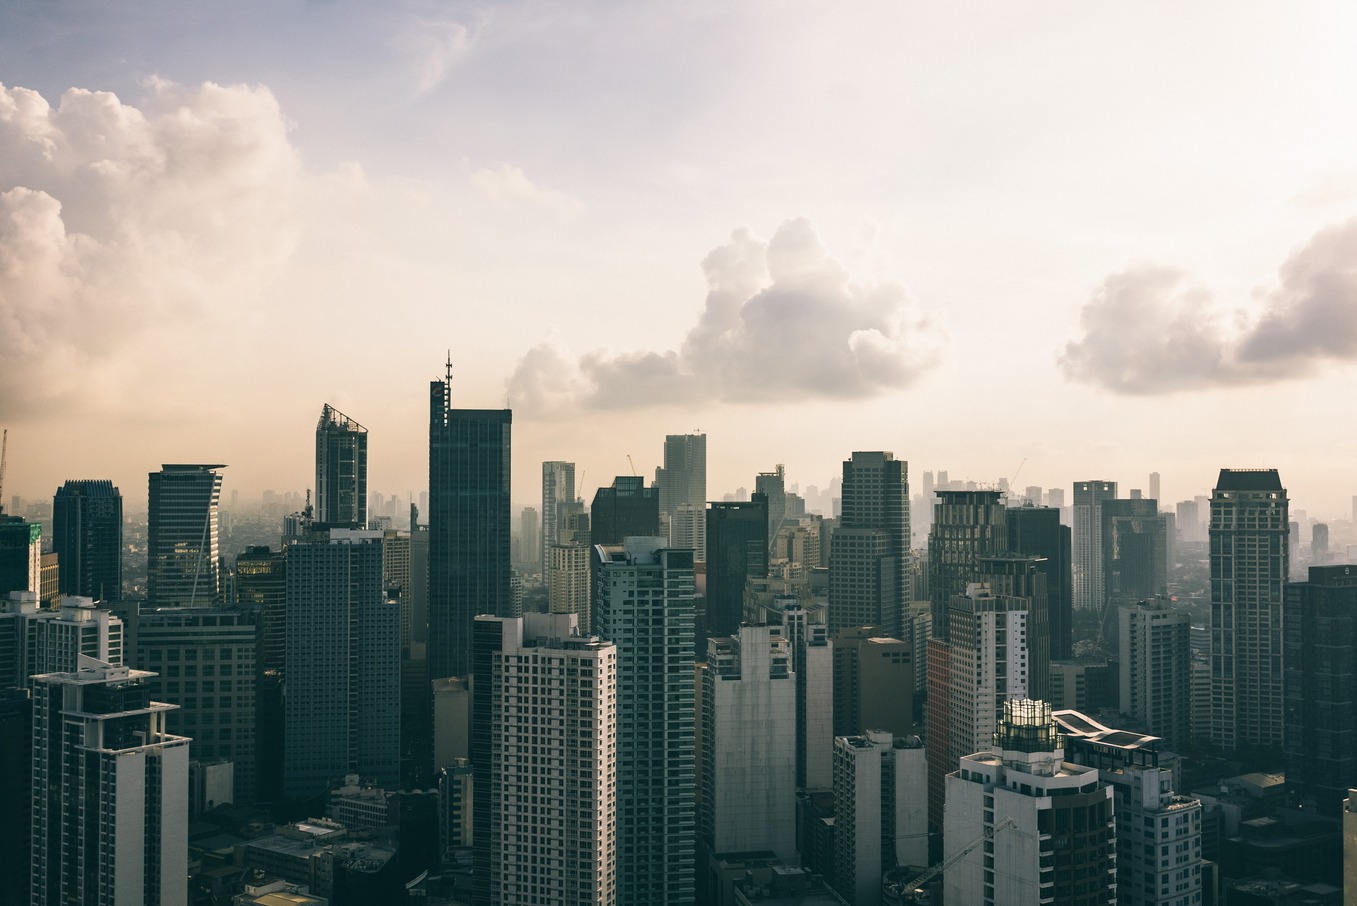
point(913, 890)
point(632, 464)
point(1014, 480)
point(4, 451)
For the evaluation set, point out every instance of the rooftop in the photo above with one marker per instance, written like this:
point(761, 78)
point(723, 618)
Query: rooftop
point(1249, 480)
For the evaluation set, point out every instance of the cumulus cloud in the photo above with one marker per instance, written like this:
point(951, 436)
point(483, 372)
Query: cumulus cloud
point(1151, 330)
point(507, 183)
point(783, 320)
point(119, 223)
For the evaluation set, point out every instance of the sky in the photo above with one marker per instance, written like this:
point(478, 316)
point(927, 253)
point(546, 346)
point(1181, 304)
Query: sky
point(1044, 242)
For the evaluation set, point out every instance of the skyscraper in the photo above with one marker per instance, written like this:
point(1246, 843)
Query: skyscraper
point(1320, 638)
point(1088, 541)
point(1249, 563)
point(1035, 531)
point(558, 489)
point(626, 508)
point(110, 791)
point(737, 546)
point(51, 640)
point(773, 485)
point(181, 568)
point(87, 534)
point(468, 524)
point(967, 525)
point(1018, 576)
point(341, 470)
point(544, 747)
point(20, 555)
point(682, 479)
point(645, 601)
point(880, 821)
point(1156, 669)
point(869, 574)
point(342, 709)
point(1134, 540)
point(568, 589)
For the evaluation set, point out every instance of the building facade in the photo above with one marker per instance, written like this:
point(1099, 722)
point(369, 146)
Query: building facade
point(625, 509)
point(1036, 531)
point(737, 550)
point(1156, 669)
point(87, 535)
point(880, 821)
point(182, 536)
point(1087, 541)
point(558, 491)
point(341, 470)
point(682, 480)
point(967, 525)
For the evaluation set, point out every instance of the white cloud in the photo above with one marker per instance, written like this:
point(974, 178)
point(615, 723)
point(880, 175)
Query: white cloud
point(435, 47)
point(783, 321)
point(507, 183)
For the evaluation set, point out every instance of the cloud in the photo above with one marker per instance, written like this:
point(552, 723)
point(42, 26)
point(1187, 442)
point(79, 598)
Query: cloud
point(783, 321)
point(436, 47)
point(1152, 330)
point(507, 183)
point(120, 224)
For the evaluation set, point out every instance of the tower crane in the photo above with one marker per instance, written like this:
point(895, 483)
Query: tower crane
point(913, 888)
point(632, 464)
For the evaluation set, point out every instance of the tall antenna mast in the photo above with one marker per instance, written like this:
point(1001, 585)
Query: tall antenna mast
point(449, 368)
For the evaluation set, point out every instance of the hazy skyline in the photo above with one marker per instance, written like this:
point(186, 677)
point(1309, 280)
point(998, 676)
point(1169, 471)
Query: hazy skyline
point(1107, 240)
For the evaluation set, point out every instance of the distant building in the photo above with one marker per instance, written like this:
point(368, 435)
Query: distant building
point(873, 683)
point(341, 470)
point(1051, 821)
point(1156, 669)
point(182, 536)
point(814, 665)
point(1135, 546)
point(625, 509)
point(967, 525)
point(1087, 541)
point(1036, 531)
point(737, 550)
point(880, 820)
point(682, 480)
point(1250, 563)
point(558, 489)
point(1350, 838)
point(1319, 622)
point(869, 565)
point(87, 534)
point(568, 588)
point(103, 743)
point(20, 555)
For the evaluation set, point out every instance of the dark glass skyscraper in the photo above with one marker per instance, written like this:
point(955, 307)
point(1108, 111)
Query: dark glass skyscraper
point(737, 548)
point(1035, 531)
point(181, 569)
point(967, 525)
point(468, 524)
point(341, 470)
point(87, 535)
point(869, 575)
point(628, 508)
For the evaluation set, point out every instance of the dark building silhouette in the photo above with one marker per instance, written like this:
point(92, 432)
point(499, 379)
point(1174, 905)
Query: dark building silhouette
point(468, 524)
point(341, 470)
point(967, 525)
point(87, 534)
point(626, 509)
point(1035, 531)
point(1134, 539)
point(1320, 639)
point(181, 550)
point(20, 555)
point(773, 485)
point(869, 568)
point(737, 548)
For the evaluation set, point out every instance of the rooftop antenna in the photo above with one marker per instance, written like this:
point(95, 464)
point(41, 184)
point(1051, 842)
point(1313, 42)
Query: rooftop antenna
point(449, 369)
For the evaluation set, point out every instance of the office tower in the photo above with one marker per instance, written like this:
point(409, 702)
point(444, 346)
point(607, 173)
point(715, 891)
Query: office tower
point(873, 683)
point(530, 533)
point(468, 524)
point(879, 820)
point(49, 579)
point(1087, 541)
point(869, 566)
point(341, 470)
point(342, 710)
point(87, 534)
point(1320, 658)
point(568, 588)
point(646, 605)
point(1189, 522)
point(261, 585)
point(1016, 576)
point(544, 750)
point(920, 619)
point(1154, 486)
point(20, 555)
point(1319, 543)
point(203, 660)
point(181, 549)
point(52, 640)
point(558, 490)
point(1249, 566)
point(748, 779)
point(1135, 545)
point(688, 527)
point(1035, 531)
point(1158, 831)
point(1156, 669)
point(625, 509)
point(100, 742)
point(16, 794)
point(773, 485)
point(737, 550)
point(987, 666)
point(682, 479)
point(967, 525)
point(813, 663)
point(1051, 821)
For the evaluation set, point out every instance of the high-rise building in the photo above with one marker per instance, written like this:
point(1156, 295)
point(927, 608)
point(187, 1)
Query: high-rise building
point(87, 533)
point(261, 585)
point(1036, 531)
point(1249, 565)
point(181, 549)
point(1320, 658)
point(20, 555)
point(1158, 831)
point(1018, 576)
point(203, 660)
point(568, 588)
point(544, 748)
point(1156, 669)
point(110, 791)
point(646, 604)
point(1087, 542)
point(748, 738)
point(1154, 486)
point(52, 640)
point(880, 822)
point(342, 665)
point(682, 479)
point(1049, 823)
point(468, 524)
point(558, 491)
point(688, 527)
point(737, 550)
point(967, 525)
point(773, 485)
point(873, 683)
point(1135, 544)
point(530, 537)
point(987, 666)
point(1350, 835)
point(869, 565)
point(627, 508)
point(341, 470)
point(813, 663)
